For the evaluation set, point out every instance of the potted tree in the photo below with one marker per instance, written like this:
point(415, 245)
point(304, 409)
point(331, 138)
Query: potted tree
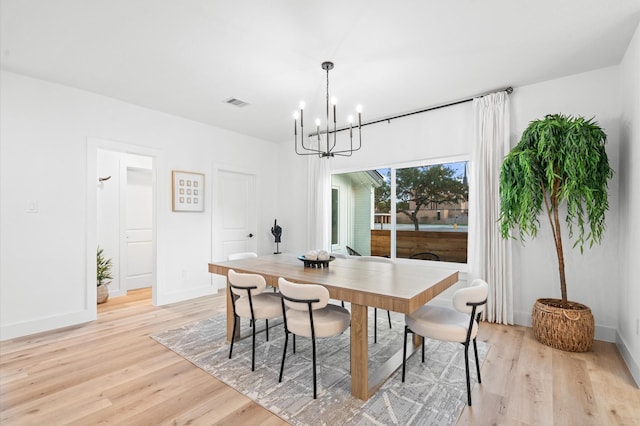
point(560, 161)
point(103, 274)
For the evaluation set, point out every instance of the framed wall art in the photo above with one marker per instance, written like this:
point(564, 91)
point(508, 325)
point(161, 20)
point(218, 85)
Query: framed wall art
point(188, 191)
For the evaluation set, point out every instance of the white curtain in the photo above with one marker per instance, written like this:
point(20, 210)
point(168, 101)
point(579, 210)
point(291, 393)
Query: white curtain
point(489, 253)
point(319, 204)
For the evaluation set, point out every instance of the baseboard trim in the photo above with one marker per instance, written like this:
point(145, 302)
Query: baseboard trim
point(632, 364)
point(181, 296)
point(603, 332)
point(40, 325)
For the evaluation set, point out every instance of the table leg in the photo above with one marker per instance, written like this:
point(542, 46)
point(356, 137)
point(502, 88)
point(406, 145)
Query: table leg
point(359, 352)
point(417, 340)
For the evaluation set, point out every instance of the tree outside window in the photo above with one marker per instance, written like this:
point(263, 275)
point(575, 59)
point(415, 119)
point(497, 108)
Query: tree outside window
point(429, 188)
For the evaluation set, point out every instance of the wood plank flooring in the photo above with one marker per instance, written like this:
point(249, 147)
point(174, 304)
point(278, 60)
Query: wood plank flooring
point(110, 372)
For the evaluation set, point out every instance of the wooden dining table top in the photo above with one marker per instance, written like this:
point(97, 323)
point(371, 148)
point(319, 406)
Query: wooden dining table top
point(398, 287)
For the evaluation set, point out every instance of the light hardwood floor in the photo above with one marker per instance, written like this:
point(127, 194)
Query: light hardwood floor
point(110, 371)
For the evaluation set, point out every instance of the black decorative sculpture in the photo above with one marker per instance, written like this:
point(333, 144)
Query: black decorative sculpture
point(276, 230)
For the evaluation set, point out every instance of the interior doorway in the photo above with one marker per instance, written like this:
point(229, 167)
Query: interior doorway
point(124, 196)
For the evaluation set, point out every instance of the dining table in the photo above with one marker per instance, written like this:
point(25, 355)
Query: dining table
point(399, 287)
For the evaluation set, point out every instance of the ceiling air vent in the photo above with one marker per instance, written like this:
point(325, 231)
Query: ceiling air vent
point(236, 102)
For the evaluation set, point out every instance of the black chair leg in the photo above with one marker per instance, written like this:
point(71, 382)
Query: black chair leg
point(284, 354)
point(475, 351)
point(466, 365)
point(294, 343)
point(253, 347)
point(404, 353)
point(389, 317)
point(423, 350)
point(267, 328)
point(313, 342)
point(233, 335)
point(375, 325)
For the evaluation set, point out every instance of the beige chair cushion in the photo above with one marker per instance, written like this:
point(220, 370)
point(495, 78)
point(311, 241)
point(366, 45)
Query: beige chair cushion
point(265, 306)
point(447, 324)
point(246, 280)
point(440, 323)
point(328, 321)
point(476, 292)
point(303, 292)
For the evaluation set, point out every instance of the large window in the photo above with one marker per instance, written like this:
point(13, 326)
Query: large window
point(430, 213)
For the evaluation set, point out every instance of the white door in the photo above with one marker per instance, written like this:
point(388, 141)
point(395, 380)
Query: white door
point(139, 224)
point(236, 219)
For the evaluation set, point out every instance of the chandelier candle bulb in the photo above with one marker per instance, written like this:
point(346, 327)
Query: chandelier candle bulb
point(334, 101)
point(301, 114)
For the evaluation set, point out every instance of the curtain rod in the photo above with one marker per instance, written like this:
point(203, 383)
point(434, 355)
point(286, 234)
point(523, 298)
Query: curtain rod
point(509, 91)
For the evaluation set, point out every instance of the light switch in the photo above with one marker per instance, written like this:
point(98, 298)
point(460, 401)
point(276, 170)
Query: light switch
point(32, 207)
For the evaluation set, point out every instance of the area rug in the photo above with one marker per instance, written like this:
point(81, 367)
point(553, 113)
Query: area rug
point(434, 392)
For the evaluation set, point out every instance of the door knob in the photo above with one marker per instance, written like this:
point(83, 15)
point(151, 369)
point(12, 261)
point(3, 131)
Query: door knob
point(250, 235)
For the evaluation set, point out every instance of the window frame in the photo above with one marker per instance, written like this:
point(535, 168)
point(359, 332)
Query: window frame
point(393, 167)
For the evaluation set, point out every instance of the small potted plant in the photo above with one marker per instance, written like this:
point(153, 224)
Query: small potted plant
point(103, 274)
point(560, 160)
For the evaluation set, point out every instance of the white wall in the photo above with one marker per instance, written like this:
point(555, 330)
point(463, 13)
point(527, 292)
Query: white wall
point(448, 132)
point(44, 158)
point(629, 176)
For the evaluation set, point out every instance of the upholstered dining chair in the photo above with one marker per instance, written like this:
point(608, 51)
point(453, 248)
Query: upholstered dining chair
point(451, 325)
point(242, 255)
point(352, 252)
point(246, 255)
point(249, 301)
point(425, 255)
point(307, 313)
point(375, 310)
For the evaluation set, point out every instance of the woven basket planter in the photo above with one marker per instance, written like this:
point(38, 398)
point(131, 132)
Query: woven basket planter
point(103, 293)
point(569, 328)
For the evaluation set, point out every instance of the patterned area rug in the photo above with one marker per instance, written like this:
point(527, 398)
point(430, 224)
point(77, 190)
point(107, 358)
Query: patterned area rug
point(434, 393)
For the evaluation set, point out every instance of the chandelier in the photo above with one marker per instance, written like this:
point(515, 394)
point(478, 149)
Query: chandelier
point(329, 142)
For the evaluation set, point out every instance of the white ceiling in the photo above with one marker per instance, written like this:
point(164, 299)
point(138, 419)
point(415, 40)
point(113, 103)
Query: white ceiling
point(187, 57)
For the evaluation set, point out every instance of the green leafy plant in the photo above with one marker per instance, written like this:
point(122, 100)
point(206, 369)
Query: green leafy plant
point(103, 267)
point(559, 160)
